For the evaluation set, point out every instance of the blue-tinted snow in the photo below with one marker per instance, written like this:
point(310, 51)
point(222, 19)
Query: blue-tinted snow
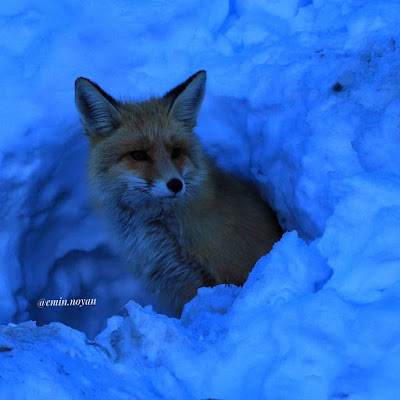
point(302, 98)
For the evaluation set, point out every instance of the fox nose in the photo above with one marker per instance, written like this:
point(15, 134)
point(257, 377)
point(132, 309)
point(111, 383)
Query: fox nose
point(175, 185)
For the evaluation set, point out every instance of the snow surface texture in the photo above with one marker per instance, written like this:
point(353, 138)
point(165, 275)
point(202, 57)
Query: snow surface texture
point(303, 98)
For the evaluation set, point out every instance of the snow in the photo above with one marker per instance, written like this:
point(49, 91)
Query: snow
point(302, 98)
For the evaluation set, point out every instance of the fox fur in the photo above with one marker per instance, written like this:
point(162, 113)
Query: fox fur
point(181, 222)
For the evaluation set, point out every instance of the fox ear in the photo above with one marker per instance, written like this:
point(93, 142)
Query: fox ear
point(185, 100)
point(97, 109)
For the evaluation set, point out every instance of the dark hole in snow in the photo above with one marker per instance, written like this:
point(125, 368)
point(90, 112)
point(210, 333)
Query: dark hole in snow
point(337, 87)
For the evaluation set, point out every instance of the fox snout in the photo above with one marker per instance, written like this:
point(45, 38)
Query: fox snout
point(174, 187)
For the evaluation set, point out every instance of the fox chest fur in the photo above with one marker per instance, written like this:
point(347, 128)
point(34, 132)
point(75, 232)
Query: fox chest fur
point(181, 223)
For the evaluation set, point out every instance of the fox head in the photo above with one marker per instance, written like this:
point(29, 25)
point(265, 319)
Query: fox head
point(143, 152)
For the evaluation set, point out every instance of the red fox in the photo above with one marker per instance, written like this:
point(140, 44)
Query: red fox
point(182, 223)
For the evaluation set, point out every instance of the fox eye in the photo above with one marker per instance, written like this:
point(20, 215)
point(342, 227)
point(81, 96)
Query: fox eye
point(140, 155)
point(176, 152)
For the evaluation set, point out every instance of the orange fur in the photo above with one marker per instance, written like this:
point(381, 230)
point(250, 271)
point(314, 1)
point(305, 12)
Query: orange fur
point(182, 223)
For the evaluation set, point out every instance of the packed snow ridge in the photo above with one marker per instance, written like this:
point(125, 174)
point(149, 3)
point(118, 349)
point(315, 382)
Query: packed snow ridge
point(303, 99)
